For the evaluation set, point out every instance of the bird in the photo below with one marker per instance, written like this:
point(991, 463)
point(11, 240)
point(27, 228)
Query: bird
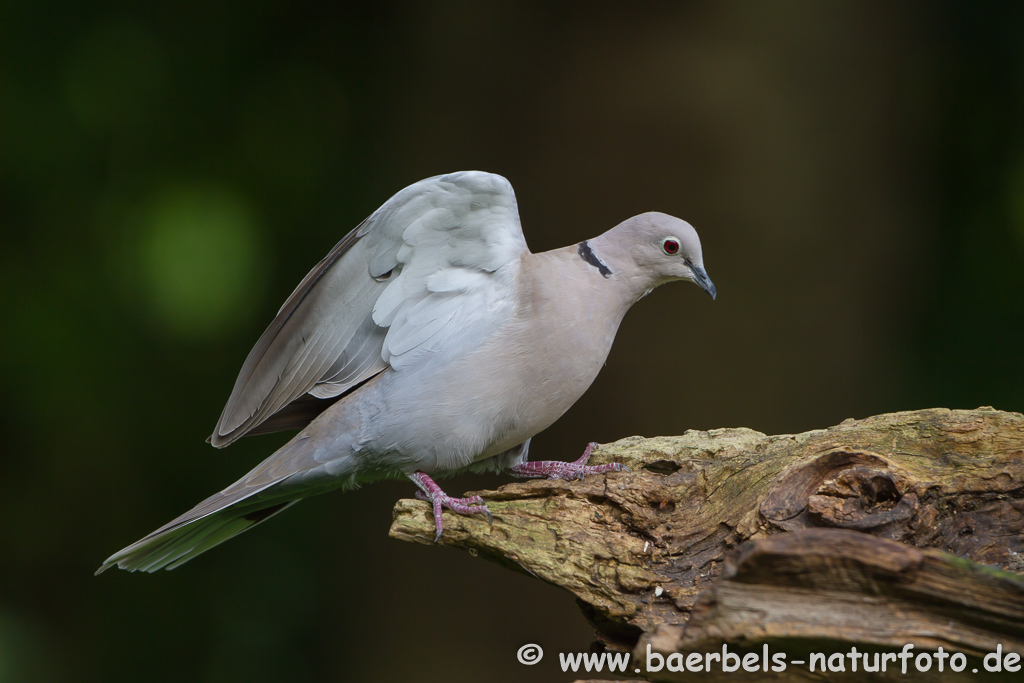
point(429, 341)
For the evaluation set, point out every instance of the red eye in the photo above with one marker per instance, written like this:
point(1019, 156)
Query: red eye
point(670, 246)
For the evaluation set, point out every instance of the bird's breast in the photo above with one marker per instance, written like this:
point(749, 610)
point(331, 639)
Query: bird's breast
point(527, 373)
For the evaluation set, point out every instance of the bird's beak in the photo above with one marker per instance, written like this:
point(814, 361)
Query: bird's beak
point(700, 277)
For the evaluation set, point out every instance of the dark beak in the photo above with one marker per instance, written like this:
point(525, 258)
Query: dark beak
point(700, 277)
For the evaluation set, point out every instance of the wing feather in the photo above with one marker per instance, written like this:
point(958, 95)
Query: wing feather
point(432, 269)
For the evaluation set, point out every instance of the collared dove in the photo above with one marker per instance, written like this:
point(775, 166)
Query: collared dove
point(430, 340)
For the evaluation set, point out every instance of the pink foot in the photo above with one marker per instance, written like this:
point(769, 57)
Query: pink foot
point(556, 469)
point(431, 492)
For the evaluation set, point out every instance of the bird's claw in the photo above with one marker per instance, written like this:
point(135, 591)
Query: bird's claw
point(432, 493)
point(556, 469)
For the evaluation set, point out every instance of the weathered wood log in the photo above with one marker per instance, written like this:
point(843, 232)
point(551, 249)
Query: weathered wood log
point(826, 596)
point(902, 524)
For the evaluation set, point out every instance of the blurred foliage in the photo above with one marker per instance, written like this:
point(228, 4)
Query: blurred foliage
point(199, 261)
point(170, 171)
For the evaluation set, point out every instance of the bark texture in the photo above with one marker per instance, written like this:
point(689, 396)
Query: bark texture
point(899, 528)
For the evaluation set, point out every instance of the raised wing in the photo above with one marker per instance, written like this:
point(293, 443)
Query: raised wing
point(432, 270)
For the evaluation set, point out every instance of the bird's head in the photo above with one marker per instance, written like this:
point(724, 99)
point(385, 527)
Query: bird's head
point(661, 248)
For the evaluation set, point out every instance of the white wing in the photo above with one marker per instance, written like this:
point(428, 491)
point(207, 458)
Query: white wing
point(431, 270)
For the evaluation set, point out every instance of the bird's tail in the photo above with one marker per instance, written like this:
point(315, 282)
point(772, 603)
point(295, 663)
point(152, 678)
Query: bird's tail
point(194, 533)
point(277, 483)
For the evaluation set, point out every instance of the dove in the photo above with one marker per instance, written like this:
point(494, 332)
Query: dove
point(429, 341)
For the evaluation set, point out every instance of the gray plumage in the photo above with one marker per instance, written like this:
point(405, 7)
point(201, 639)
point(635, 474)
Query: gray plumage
point(429, 340)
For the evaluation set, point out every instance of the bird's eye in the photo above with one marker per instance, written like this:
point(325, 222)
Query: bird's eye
point(670, 246)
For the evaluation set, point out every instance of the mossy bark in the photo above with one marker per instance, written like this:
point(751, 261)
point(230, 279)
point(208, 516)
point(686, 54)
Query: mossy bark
point(899, 528)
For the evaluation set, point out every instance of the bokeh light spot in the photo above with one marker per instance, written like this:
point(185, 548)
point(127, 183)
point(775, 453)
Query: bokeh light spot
point(201, 259)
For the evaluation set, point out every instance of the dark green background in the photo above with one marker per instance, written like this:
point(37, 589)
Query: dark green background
point(171, 170)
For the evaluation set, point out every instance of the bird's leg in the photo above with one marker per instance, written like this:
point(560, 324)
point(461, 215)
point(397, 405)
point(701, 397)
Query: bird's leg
point(431, 492)
point(556, 469)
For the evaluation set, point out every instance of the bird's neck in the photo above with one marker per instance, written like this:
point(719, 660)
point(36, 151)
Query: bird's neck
point(630, 281)
point(585, 286)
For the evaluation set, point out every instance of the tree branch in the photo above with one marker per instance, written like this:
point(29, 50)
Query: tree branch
point(688, 551)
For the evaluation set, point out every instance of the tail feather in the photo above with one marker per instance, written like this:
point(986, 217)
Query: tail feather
point(177, 543)
point(229, 529)
point(287, 476)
